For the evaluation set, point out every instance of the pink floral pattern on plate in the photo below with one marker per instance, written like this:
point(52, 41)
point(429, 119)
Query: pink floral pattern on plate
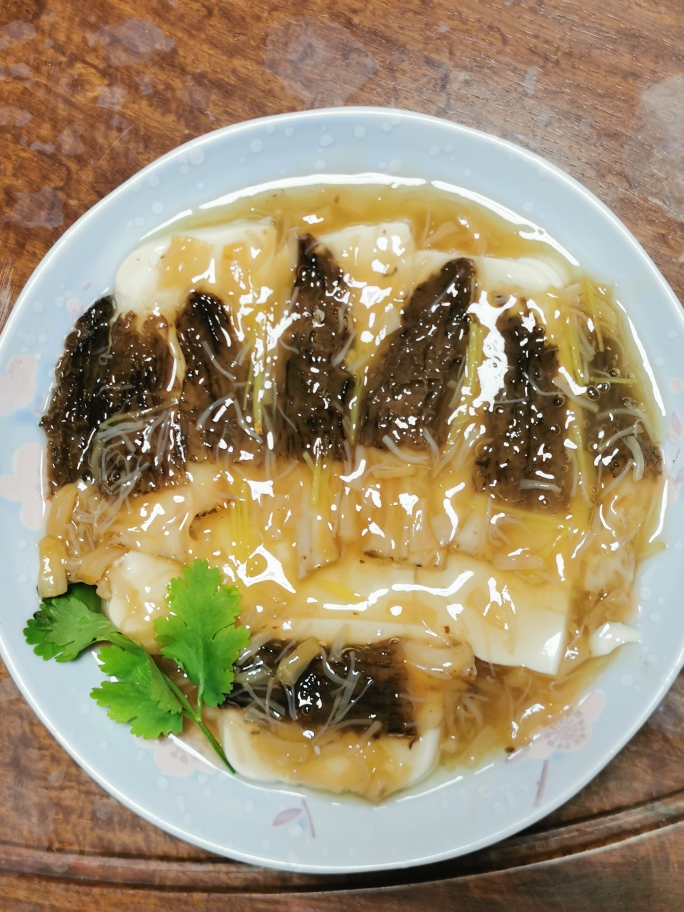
point(572, 732)
point(75, 308)
point(175, 758)
point(297, 819)
point(674, 461)
point(18, 386)
point(25, 483)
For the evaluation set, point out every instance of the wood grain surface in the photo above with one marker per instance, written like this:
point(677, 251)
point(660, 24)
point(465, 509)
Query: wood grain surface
point(90, 92)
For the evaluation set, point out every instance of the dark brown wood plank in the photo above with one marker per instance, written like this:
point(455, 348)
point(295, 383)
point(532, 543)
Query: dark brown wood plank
point(643, 873)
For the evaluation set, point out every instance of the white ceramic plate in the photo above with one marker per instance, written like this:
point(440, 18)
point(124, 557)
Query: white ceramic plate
point(293, 828)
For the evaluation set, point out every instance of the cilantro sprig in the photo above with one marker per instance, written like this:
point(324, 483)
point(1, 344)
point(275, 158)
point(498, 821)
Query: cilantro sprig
point(199, 635)
point(64, 626)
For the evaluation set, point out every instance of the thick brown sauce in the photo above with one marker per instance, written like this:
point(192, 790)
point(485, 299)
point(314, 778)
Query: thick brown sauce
point(546, 459)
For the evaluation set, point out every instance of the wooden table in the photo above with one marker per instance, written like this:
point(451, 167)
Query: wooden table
point(90, 92)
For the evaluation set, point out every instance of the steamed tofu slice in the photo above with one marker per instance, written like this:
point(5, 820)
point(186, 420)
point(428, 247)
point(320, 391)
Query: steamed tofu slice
point(351, 600)
point(522, 274)
point(252, 271)
point(612, 635)
point(135, 589)
point(137, 281)
point(372, 256)
point(505, 620)
point(393, 521)
point(156, 275)
point(158, 523)
point(355, 588)
point(382, 265)
point(350, 762)
point(244, 263)
point(378, 266)
point(501, 275)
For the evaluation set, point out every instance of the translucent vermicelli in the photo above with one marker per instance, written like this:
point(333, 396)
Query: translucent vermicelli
point(419, 439)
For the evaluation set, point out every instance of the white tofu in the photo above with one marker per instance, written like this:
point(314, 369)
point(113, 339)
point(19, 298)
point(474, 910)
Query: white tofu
point(257, 234)
point(379, 269)
point(137, 583)
point(506, 621)
point(355, 594)
point(610, 636)
point(522, 274)
point(137, 281)
point(367, 253)
point(374, 769)
point(158, 522)
point(138, 285)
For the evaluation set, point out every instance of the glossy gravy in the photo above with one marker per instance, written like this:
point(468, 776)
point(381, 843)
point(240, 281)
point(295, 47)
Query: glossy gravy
point(418, 438)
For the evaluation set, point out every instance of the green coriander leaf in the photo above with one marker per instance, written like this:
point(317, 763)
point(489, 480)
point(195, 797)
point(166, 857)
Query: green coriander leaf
point(88, 595)
point(35, 632)
point(75, 627)
point(201, 635)
point(141, 696)
point(125, 703)
point(64, 626)
point(133, 664)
